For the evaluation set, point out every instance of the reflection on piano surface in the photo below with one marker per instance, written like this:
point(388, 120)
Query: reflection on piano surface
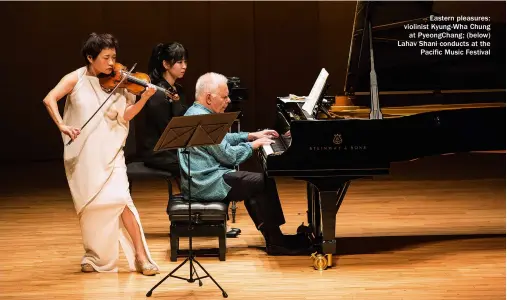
point(342, 143)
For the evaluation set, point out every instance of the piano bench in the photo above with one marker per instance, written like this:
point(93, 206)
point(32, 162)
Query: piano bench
point(209, 219)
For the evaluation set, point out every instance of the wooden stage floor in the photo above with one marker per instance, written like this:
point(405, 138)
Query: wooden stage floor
point(420, 233)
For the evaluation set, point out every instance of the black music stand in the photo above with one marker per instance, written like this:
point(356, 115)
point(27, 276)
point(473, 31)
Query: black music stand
point(187, 132)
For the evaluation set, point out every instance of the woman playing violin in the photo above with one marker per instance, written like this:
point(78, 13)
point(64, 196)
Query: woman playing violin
point(94, 161)
point(168, 62)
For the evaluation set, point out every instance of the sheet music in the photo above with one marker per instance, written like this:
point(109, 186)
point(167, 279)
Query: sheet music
point(311, 100)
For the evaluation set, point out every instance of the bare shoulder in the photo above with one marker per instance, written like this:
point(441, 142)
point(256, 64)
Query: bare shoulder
point(70, 78)
point(66, 84)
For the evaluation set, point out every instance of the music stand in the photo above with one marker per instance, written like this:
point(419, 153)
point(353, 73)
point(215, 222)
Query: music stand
point(186, 132)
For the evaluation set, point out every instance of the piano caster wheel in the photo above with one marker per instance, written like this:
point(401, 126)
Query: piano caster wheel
point(322, 261)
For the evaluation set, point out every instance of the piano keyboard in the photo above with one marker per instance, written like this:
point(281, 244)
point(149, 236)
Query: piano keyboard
point(281, 144)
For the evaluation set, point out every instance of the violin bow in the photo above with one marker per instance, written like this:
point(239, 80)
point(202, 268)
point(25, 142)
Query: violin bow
point(110, 94)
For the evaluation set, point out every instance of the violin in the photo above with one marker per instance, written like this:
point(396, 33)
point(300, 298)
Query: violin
point(135, 83)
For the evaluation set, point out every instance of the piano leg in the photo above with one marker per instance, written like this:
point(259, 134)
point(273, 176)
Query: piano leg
point(324, 201)
point(313, 213)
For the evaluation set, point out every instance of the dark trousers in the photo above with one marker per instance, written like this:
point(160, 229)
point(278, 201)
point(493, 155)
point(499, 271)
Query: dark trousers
point(260, 195)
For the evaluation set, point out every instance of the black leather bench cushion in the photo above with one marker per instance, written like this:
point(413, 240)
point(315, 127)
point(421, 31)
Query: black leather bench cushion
point(139, 170)
point(208, 211)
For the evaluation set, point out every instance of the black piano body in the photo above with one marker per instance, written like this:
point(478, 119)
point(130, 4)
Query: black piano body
point(347, 143)
point(329, 153)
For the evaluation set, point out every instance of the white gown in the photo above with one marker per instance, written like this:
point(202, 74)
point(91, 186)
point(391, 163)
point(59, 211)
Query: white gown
point(96, 173)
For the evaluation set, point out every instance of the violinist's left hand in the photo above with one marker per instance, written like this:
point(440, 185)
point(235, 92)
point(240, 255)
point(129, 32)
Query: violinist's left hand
point(133, 109)
point(149, 91)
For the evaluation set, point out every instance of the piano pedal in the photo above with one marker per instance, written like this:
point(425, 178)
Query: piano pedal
point(306, 231)
point(302, 229)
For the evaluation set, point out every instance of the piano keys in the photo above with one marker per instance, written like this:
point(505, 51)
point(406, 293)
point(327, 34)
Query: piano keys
point(281, 144)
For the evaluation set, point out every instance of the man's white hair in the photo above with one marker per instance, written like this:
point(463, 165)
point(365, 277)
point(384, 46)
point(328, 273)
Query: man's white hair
point(209, 83)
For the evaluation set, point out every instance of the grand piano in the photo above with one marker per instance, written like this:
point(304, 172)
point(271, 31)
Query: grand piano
point(457, 106)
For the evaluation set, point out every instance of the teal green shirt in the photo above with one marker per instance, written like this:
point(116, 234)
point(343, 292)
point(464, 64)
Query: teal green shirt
point(209, 163)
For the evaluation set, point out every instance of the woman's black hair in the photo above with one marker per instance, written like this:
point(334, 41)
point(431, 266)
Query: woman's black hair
point(96, 43)
point(170, 52)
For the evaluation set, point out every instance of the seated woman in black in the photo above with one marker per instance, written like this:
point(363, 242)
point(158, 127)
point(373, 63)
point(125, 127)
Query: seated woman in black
point(168, 63)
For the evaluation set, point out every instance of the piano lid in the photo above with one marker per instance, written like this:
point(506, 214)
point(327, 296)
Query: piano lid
point(401, 67)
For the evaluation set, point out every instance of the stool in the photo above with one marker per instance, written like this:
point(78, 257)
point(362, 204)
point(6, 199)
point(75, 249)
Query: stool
point(137, 170)
point(209, 218)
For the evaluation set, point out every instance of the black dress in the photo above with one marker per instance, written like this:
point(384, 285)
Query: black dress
point(159, 112)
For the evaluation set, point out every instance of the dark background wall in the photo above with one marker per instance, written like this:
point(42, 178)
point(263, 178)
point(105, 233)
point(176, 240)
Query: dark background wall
point(276, 48)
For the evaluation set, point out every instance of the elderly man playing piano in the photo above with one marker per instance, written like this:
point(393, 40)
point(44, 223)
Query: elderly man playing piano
point(214, 177)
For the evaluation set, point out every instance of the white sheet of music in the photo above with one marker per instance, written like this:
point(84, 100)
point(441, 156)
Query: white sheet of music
point(311, 100)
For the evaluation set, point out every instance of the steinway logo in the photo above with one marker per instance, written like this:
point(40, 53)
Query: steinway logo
point(339, 148)
point(338, 141)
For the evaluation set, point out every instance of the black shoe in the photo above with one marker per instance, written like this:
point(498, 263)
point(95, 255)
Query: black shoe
point(234, 232)
point(288, 250)
point(298, 244)
point(297, 241)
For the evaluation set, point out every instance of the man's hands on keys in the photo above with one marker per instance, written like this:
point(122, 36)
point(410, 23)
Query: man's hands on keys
point(266, 133)
point(261, 142)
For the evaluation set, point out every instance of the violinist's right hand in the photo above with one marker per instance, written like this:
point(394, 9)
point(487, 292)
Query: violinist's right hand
point(70, 131)
point(261, 142)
